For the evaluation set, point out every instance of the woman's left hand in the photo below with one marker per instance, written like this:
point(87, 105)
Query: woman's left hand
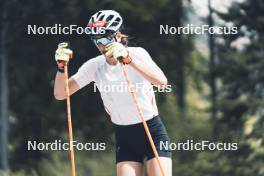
point(119, 52)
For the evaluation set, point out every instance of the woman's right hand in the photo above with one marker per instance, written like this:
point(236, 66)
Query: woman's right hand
point(62, 55)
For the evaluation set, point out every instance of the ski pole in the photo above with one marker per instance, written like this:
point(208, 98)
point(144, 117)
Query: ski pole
point(69, 120)
point(134, 96)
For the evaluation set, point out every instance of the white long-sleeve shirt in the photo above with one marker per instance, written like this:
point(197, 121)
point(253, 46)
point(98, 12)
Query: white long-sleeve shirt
point(112, 84)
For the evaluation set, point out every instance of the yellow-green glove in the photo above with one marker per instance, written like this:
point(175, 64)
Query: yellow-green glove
point(119, 52)
point(62, 55)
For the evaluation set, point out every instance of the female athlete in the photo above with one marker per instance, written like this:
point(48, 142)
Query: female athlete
point(132, 145)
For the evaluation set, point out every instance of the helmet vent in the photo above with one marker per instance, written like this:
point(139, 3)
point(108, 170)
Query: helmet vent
point(101, 18)
point(110, 17)
point(92, 20)
point(99, 13)
point(114, 24)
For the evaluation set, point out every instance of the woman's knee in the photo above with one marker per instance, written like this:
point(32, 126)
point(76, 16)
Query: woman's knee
point(153, 168)
point(129, 168)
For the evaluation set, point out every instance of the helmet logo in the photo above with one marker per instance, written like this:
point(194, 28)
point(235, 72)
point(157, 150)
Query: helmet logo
point(97, 27)
point(97, 24)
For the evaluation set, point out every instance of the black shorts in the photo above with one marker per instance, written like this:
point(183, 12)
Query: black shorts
point(132, 143)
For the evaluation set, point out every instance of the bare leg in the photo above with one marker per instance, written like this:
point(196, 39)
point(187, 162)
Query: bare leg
point(153, 167)
point(129, 168)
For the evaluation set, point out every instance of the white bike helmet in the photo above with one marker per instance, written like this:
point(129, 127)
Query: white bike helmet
point(109, 19)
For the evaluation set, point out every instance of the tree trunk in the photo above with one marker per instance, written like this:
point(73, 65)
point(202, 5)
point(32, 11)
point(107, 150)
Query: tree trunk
point(212, 72)
point(4, 89)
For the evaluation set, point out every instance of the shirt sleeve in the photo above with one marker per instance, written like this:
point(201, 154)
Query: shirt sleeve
point(86, 73)
point(144, 56)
